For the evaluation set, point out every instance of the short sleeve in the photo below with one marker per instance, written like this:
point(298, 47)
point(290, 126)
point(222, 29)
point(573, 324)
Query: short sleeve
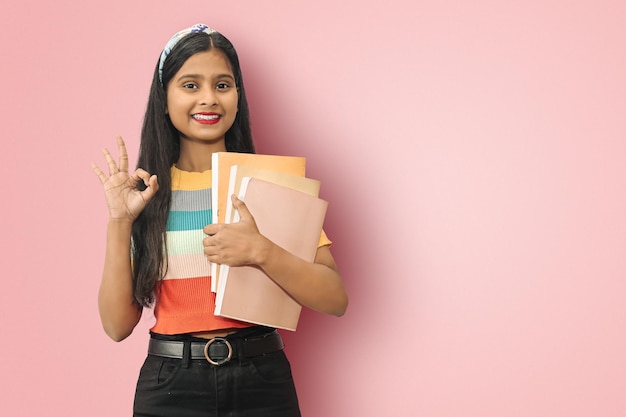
point(324, 241)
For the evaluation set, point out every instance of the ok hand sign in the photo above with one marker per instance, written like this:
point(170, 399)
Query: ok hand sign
point(124, 200)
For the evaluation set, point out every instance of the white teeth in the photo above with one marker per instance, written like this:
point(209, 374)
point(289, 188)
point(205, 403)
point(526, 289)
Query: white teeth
point(205, 116)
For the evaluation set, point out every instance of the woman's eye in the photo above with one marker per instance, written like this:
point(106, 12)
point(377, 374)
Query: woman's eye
point(189, 85)
point(222, 86)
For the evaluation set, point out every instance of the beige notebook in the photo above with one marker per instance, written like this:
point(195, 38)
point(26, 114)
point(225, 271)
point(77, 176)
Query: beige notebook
point(238, 172)
point(221, 163)
point(293, 220)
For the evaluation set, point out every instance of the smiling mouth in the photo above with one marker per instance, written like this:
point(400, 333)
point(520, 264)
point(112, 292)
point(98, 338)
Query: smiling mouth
point(206, 117)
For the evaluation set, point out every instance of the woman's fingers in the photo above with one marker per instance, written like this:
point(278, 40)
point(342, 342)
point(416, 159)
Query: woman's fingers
point(152, 186)
point(110, 162)
point(122, 164)
point(101, 175)
point(141, 175)
point(123, 158)
point(150, 181)
point(123, 197)
point(240, 206)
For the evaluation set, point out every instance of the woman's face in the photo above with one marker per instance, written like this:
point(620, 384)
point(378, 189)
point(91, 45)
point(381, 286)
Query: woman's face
point(202, 98)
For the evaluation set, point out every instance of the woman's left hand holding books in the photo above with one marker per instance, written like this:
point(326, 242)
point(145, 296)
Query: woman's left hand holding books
point(235, 244)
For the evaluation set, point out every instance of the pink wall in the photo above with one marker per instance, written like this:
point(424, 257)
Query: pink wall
point(474, 158)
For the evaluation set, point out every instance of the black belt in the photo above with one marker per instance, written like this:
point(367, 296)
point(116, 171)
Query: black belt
point(219, 350)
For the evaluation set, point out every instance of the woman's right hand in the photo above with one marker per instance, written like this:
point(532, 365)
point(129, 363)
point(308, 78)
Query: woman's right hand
point(124, 200)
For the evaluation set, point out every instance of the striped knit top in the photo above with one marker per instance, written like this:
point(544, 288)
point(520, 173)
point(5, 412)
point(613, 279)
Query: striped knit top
point(184, 300)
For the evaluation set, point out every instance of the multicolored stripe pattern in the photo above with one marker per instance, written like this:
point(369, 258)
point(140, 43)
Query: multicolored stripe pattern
point(184, 301)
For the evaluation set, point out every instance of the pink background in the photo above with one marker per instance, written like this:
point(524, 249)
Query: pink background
point(474, 157)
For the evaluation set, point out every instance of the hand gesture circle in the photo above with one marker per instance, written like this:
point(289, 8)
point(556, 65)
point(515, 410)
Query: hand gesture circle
point(124, 200)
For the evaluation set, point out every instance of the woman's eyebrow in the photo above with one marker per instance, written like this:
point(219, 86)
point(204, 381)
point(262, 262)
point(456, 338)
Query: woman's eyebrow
point(195, 76)
point(225, 76)
point(200, 76)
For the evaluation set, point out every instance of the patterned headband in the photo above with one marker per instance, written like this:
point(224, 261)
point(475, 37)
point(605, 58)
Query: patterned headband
point(197, 28)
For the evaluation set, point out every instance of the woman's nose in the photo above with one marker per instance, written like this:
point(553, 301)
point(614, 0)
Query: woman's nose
point(208, 97)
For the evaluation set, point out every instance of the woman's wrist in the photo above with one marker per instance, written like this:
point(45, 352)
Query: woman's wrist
point(121, 228)
point(263, 250)
point(121, 221)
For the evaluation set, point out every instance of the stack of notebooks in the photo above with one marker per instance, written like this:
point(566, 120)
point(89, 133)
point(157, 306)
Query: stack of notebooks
point(287, 210)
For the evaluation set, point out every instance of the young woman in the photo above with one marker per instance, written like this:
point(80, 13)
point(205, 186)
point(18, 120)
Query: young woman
point(198, 364)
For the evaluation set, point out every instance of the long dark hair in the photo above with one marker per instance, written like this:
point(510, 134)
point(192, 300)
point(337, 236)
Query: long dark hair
point(160, 149)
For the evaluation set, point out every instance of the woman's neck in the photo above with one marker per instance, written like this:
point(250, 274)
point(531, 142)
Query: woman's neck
point(196, 156)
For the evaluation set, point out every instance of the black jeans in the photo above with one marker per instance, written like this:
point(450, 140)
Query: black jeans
point(251, 387)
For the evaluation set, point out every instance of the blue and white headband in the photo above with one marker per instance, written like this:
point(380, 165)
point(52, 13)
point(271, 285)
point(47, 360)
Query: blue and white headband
point(197, 28)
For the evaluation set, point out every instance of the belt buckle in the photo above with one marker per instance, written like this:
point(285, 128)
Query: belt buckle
point(221, 361)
